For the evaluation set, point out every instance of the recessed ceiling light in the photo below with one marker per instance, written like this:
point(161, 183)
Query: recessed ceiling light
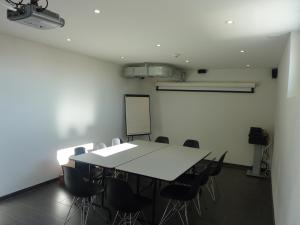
point(96, 11)
point(187, 61)
point(229, 21)
point(248, 65)
point(158, 45)
point(122, 57)
point(242, 51)
point(68, 39)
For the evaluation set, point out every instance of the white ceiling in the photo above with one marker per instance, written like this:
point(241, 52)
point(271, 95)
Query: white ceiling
point(194, 28)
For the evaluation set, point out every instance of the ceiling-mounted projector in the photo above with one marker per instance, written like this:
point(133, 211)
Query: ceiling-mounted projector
point(33, 15)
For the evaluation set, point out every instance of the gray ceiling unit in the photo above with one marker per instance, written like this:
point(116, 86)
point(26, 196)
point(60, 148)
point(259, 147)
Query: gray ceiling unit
point(153, 70)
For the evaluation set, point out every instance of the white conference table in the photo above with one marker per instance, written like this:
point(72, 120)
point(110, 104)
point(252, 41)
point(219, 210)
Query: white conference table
point(155, 160)
point(166, 164)
point(114, 156)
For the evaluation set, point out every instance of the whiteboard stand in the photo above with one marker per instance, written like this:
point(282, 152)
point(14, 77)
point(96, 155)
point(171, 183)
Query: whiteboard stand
point(137, 116)
point(131, 137)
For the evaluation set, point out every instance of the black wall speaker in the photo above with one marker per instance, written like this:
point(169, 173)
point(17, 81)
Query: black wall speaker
point(274, 73)
point(201, 71)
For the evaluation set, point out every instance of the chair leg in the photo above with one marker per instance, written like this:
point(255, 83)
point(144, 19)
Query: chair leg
point(180, 218)
point(115, 218)
point(135, 218)
point(211, 189)
point(87, 207)
point(170, 211)
point(67, 217)
point(186, 213)
point(164, 216)
point(197, 204)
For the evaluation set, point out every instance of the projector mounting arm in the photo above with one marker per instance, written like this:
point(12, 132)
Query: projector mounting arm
point(17, 4)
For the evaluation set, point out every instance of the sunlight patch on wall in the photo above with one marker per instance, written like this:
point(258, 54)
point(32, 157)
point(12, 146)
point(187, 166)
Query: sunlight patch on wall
point(75, 114)
point(105, 152)
point(64, 154)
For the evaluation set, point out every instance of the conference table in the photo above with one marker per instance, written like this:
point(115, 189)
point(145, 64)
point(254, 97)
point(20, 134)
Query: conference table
point(144, 158)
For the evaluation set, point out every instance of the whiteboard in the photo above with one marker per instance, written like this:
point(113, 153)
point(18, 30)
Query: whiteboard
point(137, 115)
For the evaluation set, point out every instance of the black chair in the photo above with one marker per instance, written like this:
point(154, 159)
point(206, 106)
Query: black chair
point(180, 197)
point(191, 143)
point(162, 139)
point(203, 176)
point(128, 205)
point(89, 172)
point(79, 151)
point(82, 190)
point(83, 167)
point(215, 171)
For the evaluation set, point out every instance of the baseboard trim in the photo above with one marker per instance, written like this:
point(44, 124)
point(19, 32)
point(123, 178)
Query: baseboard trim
point(237, 166)
point(11, 195)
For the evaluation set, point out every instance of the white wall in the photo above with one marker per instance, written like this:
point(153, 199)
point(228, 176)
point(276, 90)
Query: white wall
point(286, 170)
point(220, 121)
point(51, 99)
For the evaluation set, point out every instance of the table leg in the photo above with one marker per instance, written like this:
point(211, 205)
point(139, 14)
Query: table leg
point(103, 195)
point(154, 201)
point(138, 184)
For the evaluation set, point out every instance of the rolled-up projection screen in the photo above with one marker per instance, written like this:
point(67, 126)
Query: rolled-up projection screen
point(137, 115)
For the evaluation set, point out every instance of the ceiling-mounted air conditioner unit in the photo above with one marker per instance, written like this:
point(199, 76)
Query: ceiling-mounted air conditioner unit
point(153, 70)
point(233, 87)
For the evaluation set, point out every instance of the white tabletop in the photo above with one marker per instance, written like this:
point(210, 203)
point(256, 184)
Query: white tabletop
point(166, 164)
point(117, 155)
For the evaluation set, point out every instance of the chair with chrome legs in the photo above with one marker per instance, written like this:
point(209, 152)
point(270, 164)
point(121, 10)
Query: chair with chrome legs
point(203, 176)
point(180, 197)
point(83, 193)
point(128, 205)
point(215, 171)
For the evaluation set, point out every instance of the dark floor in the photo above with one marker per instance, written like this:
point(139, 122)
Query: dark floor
point(242, 201)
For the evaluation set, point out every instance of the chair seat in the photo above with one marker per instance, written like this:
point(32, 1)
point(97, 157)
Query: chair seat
point(213, 172)
point(137, 204)
point(178, 192)
point(189, 179)
point(93, 189)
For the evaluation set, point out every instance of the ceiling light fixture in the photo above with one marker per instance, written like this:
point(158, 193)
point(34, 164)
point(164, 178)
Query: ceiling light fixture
point(96, 11)
point(248, 66)
point(68, 39)
point(187, 61)
point(122, 57)
point(158, 45)
point(229, 21)
point(242, 51)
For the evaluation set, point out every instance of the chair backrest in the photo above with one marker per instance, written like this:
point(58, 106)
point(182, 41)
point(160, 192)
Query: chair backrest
point(82, 167)
point(79, 151)
point(101, 145)
point(116, 141)
point(162, 139)
point(74, 182)
point(191, 143)
point(203, 177)
point(218, 168)
point(119, 194)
